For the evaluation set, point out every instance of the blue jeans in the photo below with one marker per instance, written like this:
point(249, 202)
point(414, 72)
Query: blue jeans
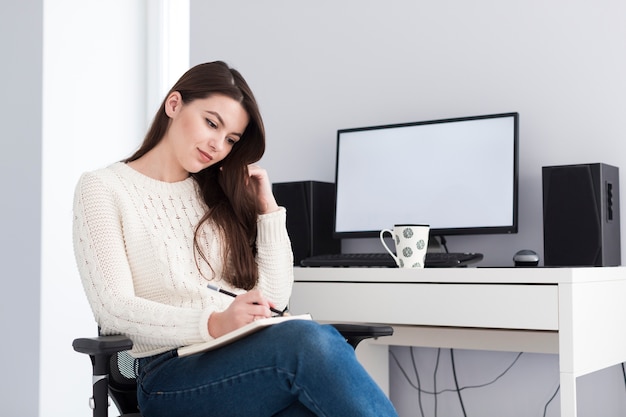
point(296, 368)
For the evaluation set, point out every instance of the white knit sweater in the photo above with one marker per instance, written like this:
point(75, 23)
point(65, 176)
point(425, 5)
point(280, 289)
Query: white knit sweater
point(133, 241)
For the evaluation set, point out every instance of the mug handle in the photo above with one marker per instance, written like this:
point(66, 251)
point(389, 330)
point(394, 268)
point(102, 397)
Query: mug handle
point(382, 240)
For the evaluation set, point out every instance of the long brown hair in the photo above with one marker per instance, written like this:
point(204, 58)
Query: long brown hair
point(232, 205)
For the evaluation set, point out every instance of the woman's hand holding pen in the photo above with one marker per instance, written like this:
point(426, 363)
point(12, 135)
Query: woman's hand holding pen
point(263, 189)
point(244, 309)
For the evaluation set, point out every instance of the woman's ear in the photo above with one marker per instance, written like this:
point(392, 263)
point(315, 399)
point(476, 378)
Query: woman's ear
point(173, 103)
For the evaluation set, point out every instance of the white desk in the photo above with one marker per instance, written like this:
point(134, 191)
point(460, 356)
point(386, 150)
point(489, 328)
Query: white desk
point(577, 313)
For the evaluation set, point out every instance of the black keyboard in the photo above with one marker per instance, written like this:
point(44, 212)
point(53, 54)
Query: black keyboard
point(433, 260)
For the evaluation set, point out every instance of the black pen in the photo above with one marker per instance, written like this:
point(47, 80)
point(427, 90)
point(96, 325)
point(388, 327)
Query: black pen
point(218, 289)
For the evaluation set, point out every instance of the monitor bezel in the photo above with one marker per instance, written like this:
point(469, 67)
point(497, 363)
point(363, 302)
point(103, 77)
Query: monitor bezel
point(504, 229)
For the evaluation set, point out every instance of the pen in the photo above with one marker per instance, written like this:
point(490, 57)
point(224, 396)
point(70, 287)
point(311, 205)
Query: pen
point(218, 289)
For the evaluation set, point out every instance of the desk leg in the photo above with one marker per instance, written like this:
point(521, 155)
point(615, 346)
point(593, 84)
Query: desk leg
point(568, 395)
point(375, 360)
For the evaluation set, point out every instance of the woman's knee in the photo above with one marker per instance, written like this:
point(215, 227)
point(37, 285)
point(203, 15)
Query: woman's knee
point(312, 338)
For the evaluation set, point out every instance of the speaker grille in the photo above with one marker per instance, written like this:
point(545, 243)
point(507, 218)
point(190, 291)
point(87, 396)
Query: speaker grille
point(572, 228)
point(310, 209)
point(581, 215)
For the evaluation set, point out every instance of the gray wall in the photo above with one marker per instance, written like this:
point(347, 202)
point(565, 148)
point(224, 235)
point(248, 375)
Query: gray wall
point(320, 66)
point(324, 65)
point(21, 72)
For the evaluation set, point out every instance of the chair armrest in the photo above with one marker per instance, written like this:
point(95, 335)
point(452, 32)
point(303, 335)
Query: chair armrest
point(100, 350)
point(108, 345)
point(102, 345)
point(355, 333)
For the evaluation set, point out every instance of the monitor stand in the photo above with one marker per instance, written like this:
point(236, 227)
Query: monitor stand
point(435, 246)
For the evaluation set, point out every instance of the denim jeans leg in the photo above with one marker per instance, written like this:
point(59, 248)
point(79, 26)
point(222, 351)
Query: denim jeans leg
point(264, 374)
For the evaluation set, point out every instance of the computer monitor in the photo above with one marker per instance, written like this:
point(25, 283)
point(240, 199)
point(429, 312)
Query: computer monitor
point(460, 176)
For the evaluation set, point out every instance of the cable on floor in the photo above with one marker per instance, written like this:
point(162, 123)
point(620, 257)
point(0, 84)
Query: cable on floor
point(417, 378)
point(458, 389)
point(545, 408)
point(435, 378)
point(456, 382)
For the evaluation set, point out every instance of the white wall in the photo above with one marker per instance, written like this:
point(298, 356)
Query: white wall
point(75, 78)
point(324, 65)
point(107, 66)
point(94, 89)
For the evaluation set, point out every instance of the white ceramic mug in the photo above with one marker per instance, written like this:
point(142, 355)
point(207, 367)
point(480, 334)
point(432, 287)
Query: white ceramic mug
point(411, 242)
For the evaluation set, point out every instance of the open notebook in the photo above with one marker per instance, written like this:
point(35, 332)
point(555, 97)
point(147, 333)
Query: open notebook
point(249, 328)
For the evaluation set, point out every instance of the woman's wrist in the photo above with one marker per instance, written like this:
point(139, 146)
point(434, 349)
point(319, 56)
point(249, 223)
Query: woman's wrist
point(214, 324)
point(269, 207)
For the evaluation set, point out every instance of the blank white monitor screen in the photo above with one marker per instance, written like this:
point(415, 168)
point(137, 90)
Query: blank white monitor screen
point(460, 176)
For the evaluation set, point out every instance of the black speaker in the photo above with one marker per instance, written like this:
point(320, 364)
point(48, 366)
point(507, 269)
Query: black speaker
point(310, 214)
point(581, 225)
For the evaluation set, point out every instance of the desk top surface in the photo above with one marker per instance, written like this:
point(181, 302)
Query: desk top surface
point(472, 275)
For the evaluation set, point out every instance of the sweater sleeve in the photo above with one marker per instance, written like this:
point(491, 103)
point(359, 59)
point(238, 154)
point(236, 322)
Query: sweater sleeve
point(275, 258)
point(99, 245)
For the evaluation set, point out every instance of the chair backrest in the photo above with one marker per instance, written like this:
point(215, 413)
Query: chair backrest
point(122, 382)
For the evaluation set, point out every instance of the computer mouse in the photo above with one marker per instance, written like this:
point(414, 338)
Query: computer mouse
point(526, 257)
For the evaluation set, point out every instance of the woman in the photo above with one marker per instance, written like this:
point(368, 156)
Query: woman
point(189, 208)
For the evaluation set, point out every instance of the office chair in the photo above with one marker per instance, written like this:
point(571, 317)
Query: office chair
point(114, 374)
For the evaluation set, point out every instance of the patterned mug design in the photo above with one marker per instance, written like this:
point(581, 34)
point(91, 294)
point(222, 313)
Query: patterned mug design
point(411, 244)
